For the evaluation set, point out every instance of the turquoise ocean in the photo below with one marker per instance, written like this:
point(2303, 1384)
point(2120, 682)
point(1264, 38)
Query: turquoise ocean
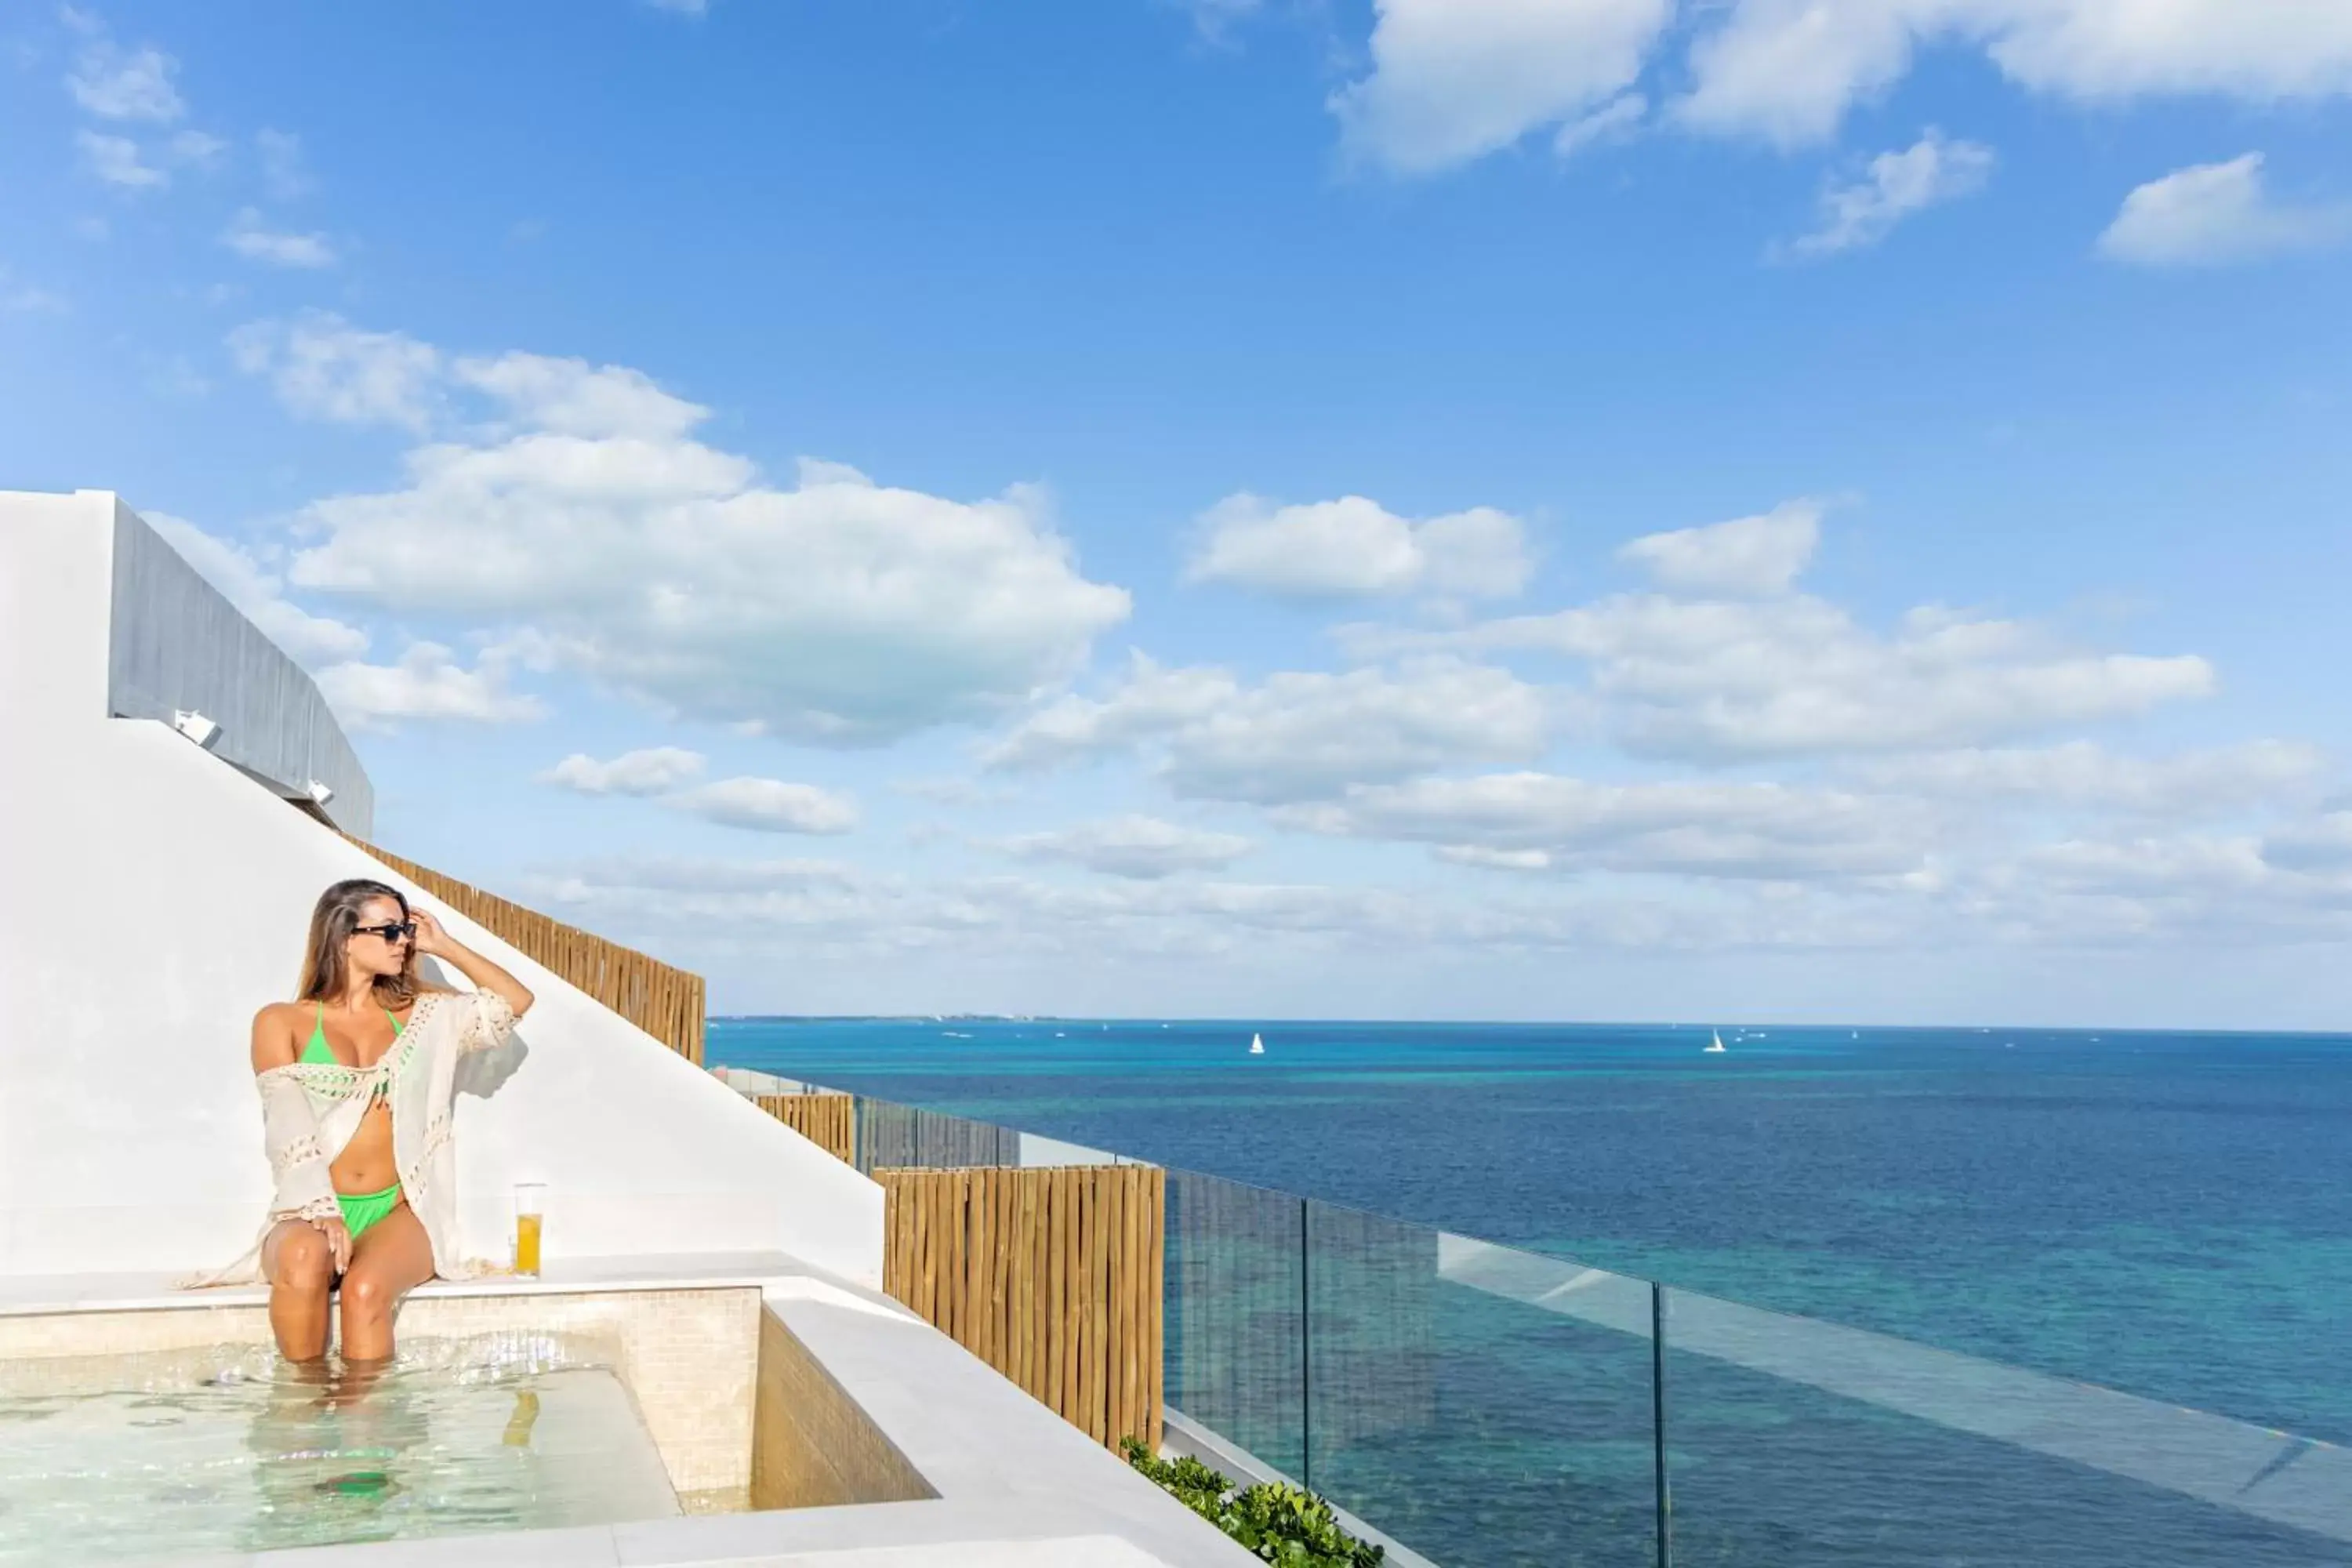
point(2164, 1214)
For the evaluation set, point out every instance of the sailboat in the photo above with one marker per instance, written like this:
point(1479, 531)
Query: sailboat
point(1714, 1042)
point(1257, 1045)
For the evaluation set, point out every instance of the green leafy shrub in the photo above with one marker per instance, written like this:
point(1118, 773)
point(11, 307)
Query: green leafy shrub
point(1281, 1525)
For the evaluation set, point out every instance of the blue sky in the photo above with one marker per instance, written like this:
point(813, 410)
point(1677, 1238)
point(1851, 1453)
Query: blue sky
point(1435, 508)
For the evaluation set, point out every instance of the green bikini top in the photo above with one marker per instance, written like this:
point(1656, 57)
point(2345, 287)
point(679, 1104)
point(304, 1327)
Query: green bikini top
point(320, 1054)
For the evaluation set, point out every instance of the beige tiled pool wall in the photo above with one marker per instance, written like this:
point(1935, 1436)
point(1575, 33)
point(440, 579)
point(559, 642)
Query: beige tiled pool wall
point(815, 1447)
point(691, 1357)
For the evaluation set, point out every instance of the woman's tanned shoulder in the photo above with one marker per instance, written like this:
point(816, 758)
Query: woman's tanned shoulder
point(277, 1029)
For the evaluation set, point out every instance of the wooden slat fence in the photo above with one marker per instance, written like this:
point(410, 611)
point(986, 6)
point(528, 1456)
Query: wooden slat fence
point(1051, 1275)
point(828, 1120)
point(663, 1001)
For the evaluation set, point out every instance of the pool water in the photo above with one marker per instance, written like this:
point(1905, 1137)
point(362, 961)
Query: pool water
point(105, 1460)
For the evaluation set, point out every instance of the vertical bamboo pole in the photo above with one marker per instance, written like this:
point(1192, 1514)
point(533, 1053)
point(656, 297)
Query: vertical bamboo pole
point(1156, 1266)
point(1049, 1307)
point(991, 1187)
point(1024, 1282)
point(1115, 1411)
point(1098, 1339)
point(927, 1244)
point(959, 1233)
point(1082, 1298)
point(1138, 1416)
point(1057, 1294)
point(1006, 1185)
point(983, 1272)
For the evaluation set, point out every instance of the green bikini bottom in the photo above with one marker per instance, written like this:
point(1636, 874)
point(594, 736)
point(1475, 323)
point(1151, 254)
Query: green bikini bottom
point(361, 1210)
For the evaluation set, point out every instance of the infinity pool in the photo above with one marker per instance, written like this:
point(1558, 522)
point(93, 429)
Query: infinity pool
point(229, 1449)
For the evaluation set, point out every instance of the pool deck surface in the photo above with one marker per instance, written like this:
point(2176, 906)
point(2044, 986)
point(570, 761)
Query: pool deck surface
point(1017, 1485)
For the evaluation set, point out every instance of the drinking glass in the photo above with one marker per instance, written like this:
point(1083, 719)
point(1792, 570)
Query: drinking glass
point(530, 1207)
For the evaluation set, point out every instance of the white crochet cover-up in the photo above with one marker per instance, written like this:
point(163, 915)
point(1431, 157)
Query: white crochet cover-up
point(310, 1111)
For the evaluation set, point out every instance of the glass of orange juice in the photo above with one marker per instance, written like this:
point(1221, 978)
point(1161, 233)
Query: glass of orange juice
point(531, 1210)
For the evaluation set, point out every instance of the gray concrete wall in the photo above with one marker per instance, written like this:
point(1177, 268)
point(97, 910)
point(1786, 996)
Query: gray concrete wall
point(175, 643)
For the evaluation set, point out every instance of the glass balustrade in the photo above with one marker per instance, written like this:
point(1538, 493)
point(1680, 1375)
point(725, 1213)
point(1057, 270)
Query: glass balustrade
point(1479, 1403)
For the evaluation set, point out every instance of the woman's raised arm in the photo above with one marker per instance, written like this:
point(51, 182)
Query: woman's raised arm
point(434, 941)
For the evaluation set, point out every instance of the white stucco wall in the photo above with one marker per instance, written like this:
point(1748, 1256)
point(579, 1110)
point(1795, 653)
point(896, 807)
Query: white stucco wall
point(151, 897)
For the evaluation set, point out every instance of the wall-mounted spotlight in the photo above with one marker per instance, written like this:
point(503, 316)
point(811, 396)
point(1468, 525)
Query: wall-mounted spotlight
point(196, 727)
point(320, 794)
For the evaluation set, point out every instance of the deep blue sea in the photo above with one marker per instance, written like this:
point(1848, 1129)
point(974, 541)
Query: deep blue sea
point(2168, 1214)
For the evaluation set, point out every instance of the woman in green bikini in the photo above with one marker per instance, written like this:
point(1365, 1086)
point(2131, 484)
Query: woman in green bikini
point(356, 1079)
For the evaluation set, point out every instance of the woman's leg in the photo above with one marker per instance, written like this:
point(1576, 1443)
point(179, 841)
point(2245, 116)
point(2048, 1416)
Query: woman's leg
point(299, 1264)
point(390, 1260)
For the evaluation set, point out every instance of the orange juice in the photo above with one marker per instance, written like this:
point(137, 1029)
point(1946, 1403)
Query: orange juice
point(527, 1244)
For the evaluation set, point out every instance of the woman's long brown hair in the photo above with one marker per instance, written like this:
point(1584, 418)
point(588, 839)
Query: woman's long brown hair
point(326, 966)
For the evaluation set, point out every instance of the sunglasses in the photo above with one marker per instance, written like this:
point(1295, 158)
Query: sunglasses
point(401, 930)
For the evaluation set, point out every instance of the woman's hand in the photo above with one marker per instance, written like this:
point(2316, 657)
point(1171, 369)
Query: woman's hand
point(432, 940)
point(339, 1241)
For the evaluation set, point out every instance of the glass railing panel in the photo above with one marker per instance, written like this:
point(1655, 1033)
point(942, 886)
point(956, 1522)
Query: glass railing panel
point(890, 1135)
point(1808, 1445)
point(1038, 1151)
point(1232, 1314)
point(1478, 1404)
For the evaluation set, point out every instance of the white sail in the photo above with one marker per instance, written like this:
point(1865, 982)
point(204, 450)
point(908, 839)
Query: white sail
point(1257, 1045)
point(1715, 1041)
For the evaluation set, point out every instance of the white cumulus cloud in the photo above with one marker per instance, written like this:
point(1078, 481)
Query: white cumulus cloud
point(1296, 734)
point(1353, 547)
point(655, 770)
point(248, 237)
point(198, 148)
point(1788, 70)
point(667, 773)
point(1536, 821)
point(768, 806)
point(841, 613)
point(1860, 213)
point(1152, 701)
point(322, 367)
point(2081, 774)
point(114, 83)
point(1729, 665)
point(117, 161)
point(1612, 122)
point(2211, 214)
point(1454, 79)
point(1135, 845)
point(427, 683)
point(585, 521)
point(1746, 557)
point(573, 398)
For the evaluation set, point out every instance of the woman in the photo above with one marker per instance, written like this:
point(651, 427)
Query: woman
point(356, 1080)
